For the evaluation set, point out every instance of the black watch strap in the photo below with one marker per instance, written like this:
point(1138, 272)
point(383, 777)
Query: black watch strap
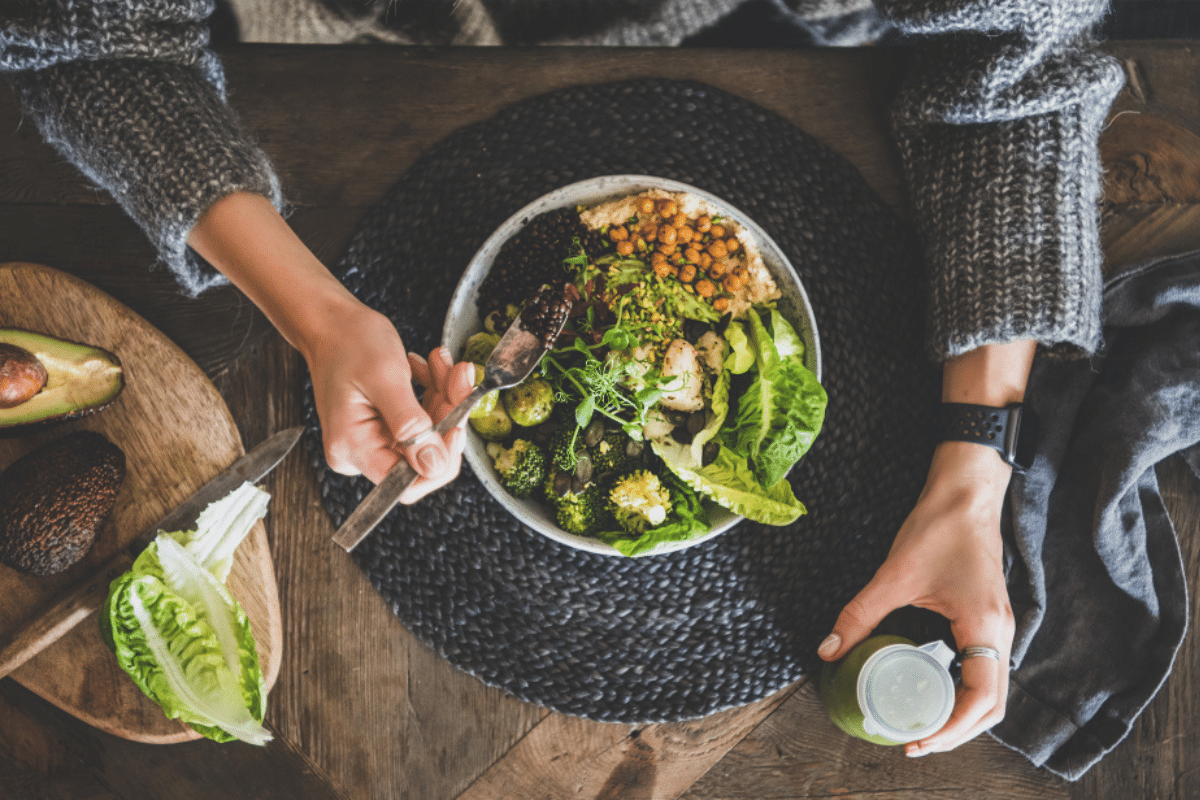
point(1010, 431)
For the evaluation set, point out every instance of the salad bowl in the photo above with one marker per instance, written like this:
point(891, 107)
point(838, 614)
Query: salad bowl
point(464, 319)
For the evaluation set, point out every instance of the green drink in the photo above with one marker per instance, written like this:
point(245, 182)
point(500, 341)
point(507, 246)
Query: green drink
point(889, 691)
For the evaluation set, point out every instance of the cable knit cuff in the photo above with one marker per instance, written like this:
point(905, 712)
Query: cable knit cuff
point(1008, 213)
point(159, 137)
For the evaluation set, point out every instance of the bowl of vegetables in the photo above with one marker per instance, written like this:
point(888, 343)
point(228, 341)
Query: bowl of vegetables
point(685, 384)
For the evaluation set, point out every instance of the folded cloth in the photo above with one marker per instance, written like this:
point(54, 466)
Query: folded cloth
point(1096, 578)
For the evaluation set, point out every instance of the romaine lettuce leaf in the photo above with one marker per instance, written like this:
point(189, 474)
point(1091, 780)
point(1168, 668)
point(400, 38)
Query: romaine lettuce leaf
point(732, 484)
point(781, 412)
point(181, 636)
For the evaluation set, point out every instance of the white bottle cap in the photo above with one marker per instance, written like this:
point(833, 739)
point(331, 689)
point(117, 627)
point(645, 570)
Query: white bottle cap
point(906, 692)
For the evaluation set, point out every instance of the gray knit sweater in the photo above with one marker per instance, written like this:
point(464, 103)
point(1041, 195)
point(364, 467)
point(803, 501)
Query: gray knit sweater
point(997, 123)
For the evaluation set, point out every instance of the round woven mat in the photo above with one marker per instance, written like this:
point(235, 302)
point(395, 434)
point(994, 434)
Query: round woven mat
point(721, 624)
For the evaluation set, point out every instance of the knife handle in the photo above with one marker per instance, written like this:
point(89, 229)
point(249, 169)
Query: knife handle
point(68, 611)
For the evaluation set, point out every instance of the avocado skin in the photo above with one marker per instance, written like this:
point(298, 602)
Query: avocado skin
point(54, 501)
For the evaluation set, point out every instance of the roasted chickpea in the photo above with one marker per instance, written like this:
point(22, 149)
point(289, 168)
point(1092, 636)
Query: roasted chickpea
point(650, 231)
point(703, 224)
point(679, 220)
point(716, 268)
point(667, 234)
point(624, 247)
point(667, 208)
point(646, 205)
point(662, 269)
point(732, 244)
point(687, 273)
point(742, 272)
point(705, 261)
point(657, 258)
point(717, 232)
point(685, 234)
point(692, 255)
point(705, 288)
point(717, 249)
point(733, 283)
point(618, 234)
point(669, 249)
point(721, 304)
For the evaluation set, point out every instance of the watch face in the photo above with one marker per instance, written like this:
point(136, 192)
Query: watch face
point(1027, 436)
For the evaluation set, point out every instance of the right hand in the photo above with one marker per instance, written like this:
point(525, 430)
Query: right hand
point(362, 383)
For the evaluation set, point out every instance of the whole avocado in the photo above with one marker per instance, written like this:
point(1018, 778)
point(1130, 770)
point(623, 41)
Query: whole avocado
point(54, 501)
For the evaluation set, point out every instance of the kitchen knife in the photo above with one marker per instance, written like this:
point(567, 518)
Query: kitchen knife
point(78, 603)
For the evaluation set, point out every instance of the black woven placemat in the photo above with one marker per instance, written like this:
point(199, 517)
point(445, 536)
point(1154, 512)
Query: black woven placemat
point(721, 624)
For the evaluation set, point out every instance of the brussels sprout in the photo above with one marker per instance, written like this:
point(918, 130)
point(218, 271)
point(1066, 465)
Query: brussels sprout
point(531, 403)
point(480, 346)
point(493, 426)
point(487, 404)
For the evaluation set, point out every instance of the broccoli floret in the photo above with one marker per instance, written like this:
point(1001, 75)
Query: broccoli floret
point(522, 468)
point(564, 447)
point(582, 513)
point(639, 501)
point(611, 453)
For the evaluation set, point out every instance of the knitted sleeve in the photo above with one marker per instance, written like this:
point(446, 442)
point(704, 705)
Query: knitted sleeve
point(126, 91)
point(997, 127)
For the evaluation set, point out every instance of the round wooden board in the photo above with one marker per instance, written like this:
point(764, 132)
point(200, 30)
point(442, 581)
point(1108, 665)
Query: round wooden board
point(177, 434)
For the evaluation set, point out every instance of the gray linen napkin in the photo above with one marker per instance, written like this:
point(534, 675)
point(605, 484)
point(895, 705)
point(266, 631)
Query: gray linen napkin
point(1096, 579)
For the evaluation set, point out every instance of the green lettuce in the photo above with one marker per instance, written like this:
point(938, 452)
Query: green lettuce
point(781, 412)
point(178, 633)
point(731, 483)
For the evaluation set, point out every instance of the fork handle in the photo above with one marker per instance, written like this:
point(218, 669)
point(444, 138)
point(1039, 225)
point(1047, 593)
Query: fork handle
point(383, 498)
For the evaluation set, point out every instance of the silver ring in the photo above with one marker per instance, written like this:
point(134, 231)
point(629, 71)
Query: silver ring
point(407, 443)
point(979, 651)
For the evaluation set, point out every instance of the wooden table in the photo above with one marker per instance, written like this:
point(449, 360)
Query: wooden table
point(362, 710)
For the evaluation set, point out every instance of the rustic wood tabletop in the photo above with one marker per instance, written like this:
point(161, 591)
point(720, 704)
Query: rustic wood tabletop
point(361, 709)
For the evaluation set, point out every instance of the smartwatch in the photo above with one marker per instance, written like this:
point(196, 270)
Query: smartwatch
point(1010, 431)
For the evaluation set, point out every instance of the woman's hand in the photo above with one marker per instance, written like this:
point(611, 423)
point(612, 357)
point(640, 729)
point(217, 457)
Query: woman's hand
point(362, 376)
point(948, 558)
point(362, 385)
point(948, 555)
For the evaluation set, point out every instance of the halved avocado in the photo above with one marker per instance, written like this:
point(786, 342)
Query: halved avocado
point(80, 379)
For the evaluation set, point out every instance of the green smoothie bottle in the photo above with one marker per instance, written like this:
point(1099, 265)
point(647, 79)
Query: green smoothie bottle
point(889, 691)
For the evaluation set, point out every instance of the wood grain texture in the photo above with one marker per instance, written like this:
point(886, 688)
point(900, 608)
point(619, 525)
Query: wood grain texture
point(176, 434)
point(571, 757)
point(798, 753)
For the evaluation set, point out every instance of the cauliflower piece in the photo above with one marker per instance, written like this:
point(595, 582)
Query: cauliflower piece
point(640, 501)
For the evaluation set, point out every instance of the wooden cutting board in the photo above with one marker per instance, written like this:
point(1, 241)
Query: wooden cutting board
point(177, 433)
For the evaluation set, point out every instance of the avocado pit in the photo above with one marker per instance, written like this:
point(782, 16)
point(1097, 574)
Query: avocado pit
point(21, 375)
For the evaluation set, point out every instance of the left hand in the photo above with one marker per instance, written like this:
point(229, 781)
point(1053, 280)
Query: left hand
point(948, 557)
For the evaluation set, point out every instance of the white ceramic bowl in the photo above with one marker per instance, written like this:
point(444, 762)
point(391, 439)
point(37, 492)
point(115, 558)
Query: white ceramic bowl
point(463, 319)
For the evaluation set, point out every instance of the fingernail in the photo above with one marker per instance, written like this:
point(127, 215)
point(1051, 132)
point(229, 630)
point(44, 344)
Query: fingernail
point(829, 646)
point(445, 351)
point(914, 752)
point(430, 459)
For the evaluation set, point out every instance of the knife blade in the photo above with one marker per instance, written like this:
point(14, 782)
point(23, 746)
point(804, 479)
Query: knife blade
point(78, 603)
